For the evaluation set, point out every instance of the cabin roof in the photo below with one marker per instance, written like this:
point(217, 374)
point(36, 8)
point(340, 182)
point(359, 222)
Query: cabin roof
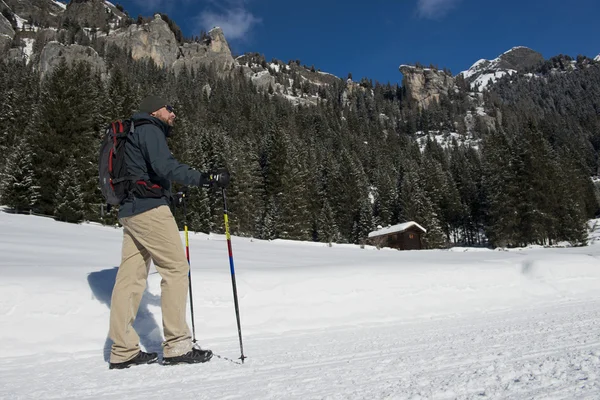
point(396, 229)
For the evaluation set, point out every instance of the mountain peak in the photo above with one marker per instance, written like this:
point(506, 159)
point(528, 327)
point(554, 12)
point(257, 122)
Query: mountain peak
point(597, 58)
point(519, 58)
point(517, 48)
point(511, 61)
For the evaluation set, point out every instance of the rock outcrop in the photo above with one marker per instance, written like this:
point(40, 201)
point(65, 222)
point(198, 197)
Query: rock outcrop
point(6, 27)
point(212, 51)
point(262, 80)
point(154, 40)
point(41, 12)
point(89, 13)
point(426, 85)
point(54, 53)
point(5, 42)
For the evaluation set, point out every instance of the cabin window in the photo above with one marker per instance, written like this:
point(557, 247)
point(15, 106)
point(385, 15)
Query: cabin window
point(411, 236)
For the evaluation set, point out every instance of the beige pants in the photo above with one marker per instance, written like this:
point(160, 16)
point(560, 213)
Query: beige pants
point(152, 235)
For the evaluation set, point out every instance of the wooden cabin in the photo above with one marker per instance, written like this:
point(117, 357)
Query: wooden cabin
point(405, 236)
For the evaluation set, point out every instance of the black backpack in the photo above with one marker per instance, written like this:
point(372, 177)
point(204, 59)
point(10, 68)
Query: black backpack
point(114, 183)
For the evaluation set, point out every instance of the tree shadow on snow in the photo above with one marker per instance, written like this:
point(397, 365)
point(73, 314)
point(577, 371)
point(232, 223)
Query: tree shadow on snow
point(101, 283)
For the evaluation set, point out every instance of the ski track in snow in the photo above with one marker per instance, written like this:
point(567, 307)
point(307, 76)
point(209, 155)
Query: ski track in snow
point(548, 352)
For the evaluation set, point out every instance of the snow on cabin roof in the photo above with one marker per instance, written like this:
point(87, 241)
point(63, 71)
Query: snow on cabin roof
point(396, 228)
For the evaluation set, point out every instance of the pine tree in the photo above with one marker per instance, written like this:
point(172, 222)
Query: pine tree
point(270, 220)
point(364, 225)
point(18, 189)
point(295, 218)
point(499, 182)
point(327, 229)
point(69, 197)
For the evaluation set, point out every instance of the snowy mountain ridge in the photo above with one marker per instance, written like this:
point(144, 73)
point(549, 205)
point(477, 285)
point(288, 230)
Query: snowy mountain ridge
point(483, 71)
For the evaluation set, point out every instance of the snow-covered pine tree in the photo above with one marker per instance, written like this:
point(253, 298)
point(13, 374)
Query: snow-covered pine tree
point(295, 218)
point(18, 190)
point(69, 197)
point(327, 229)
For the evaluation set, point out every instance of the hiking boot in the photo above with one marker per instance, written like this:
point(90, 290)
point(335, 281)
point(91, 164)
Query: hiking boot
point(141, 358)
point(191, 357)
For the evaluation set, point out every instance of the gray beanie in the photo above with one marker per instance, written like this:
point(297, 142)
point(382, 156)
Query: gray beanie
point(151, 104)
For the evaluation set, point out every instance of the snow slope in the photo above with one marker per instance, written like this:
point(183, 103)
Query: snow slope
point(335, 322)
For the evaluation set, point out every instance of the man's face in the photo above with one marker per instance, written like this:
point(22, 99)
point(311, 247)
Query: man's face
point(165, 114)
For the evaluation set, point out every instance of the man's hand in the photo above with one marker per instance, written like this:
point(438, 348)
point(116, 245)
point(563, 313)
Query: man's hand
point(219, 177)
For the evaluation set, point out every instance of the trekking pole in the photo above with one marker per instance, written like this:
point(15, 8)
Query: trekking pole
point(187, 253)
point(235, 298)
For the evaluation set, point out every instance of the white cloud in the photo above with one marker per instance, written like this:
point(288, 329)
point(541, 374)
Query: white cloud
point(236, 22)
point(435, 8)
point(230, 15)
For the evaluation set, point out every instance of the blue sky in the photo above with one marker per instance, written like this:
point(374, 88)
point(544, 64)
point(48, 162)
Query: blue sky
point(372, 38)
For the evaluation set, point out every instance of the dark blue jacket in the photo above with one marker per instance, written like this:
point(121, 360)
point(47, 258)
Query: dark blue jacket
point(149, 159)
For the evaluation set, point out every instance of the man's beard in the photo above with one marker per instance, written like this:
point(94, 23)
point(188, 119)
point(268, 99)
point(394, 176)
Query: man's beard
point(170, 122)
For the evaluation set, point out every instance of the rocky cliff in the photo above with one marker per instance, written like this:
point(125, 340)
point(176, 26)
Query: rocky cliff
point(153, 40)
point(425, 85)
point(213, 50)
point(156, 41)
point(89, 13)
point(54, 53)
point(43, 13)
point(6, 27)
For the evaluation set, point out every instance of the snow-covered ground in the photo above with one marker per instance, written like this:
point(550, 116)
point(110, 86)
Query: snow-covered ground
point(318, 322)
point(445, 139)
point(484, 80)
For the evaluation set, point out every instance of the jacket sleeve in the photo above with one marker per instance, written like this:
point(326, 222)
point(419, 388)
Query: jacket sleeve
point(156, 151)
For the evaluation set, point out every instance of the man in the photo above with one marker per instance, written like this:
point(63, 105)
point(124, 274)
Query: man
point(150, 233)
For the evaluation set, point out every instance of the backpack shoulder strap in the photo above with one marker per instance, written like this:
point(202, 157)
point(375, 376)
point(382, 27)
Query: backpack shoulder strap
point(136, 124)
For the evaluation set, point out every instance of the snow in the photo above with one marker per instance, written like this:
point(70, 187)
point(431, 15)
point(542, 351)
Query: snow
point(20, 21)
point(480, 111)
point(445, 139)
point(484, 79)
point(475, 68)
point(326, 73)
point(335, 322)
point(112, 8)
point(258, 75)
point(516, 48)
point(396, 228)
point(414, 67)
point(60, 4)
point(594, 231)
point(488, 70)
point(274, 66)
point(28, 48)
point(597, 58)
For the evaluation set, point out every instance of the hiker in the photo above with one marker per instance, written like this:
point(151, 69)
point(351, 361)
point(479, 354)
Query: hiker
point(151, 233)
